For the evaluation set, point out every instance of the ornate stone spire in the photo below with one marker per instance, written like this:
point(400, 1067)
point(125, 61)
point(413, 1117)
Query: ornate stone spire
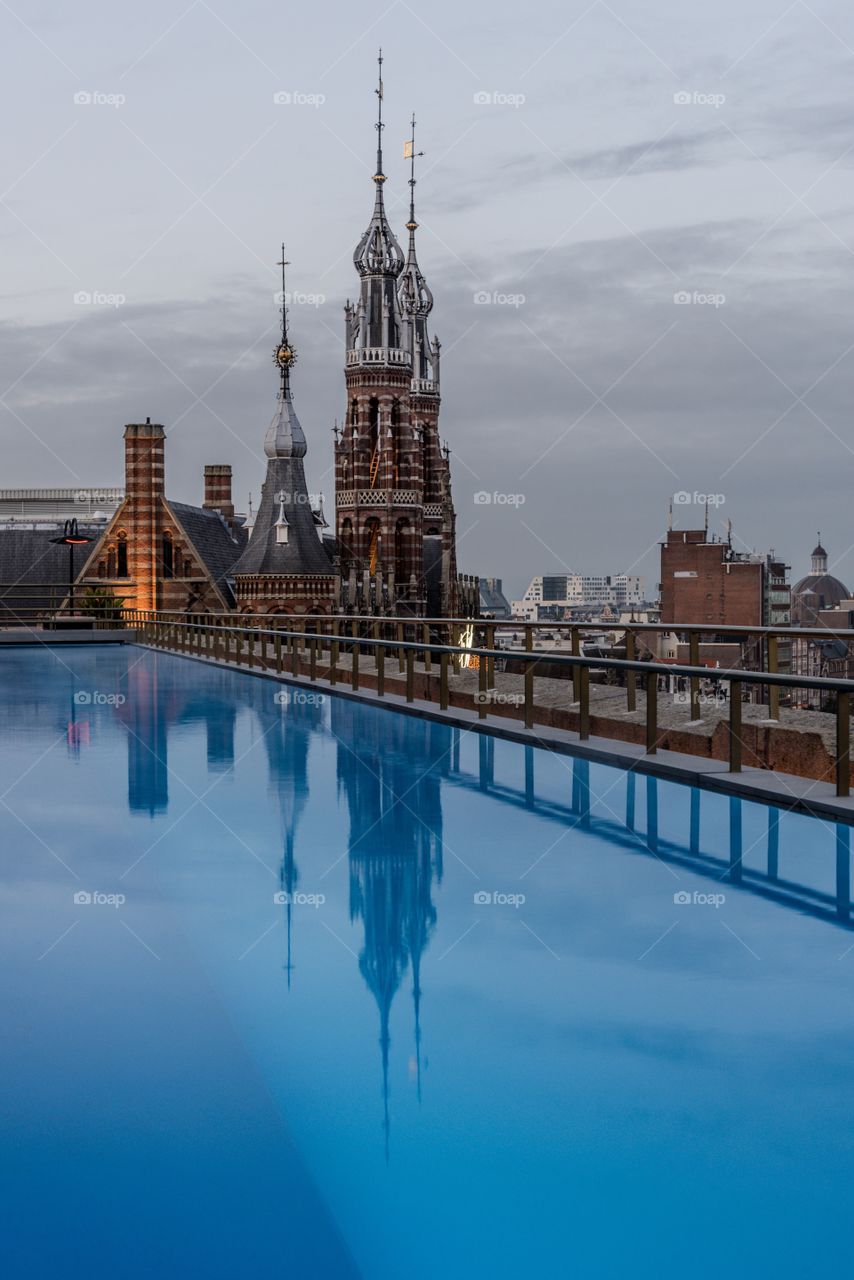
point(378, 258)
point(414, 297)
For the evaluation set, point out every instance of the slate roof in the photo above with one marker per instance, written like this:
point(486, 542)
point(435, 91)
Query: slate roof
point(212, 540)
point(303, 553)
point(493, 599)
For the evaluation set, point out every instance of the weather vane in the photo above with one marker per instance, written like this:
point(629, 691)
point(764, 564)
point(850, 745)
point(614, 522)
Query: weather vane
point(284, 354)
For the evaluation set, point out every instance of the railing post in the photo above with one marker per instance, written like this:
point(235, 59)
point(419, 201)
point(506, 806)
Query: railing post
point(631, 676)
point(773, 689)
point(735, 726)
point(490, 662)
point(312, 658)
point(694, 661)
point(277, 650)
point(410, 675)
point(354, 676)
point(576, 652)
point(333, 656)
point(651, 713)
point(529, 693)
point(843, 743)
point(294, 643)
point(380, 659)
point(584, 700)
point(482, 688)
point(401, 654)
point(443, 681)
point(425, 635)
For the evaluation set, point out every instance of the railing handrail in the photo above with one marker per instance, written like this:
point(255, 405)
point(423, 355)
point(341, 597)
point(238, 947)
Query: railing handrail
point(698, 628)
point(532, 657)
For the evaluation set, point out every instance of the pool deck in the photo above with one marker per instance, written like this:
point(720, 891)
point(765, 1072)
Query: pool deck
point(88, 635)
point(803, 795)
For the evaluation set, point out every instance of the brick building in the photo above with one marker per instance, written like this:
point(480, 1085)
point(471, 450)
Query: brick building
point(159, 554)
point(704, 581)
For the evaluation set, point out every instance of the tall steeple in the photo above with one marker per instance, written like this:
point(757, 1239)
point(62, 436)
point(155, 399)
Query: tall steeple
point(378, 258)
point(285, 438)
point(284, 560)
point(416, 300)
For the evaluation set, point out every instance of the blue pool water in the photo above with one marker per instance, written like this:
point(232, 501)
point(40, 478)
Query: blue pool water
point(357, 994)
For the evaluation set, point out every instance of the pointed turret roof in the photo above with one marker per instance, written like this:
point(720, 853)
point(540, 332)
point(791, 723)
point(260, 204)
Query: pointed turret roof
point(378, 252)
point(285, 502)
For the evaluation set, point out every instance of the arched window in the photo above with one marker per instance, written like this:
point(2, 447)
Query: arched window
point(122, 555)
point(354, 412)
point(111, 562)
point(167, 556)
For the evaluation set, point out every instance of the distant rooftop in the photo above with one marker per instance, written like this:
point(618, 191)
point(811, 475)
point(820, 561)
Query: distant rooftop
point(46, 506)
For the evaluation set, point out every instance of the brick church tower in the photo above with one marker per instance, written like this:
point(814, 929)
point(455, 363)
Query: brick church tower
point(394, 516)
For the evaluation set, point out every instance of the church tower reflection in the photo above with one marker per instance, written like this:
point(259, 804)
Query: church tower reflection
point(392, 785)
point(287, 718)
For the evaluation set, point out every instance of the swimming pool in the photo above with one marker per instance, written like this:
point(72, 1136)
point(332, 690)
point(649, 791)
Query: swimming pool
point(295, 986)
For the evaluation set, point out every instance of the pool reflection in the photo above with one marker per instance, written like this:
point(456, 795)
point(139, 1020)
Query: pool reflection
point(391, 771)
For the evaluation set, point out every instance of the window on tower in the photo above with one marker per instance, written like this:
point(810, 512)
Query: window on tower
point(122, 556)
point(167, 556)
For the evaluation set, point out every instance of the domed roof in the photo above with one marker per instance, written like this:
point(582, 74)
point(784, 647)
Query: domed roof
point(828, 589)
point(818, 590)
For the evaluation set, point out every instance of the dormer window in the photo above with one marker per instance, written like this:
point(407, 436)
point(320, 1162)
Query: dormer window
point(281, 525)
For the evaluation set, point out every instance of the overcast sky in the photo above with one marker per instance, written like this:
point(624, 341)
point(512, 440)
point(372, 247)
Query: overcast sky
point(565, 177)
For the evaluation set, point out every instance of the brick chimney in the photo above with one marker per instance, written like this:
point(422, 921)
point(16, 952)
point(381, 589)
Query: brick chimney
point(144, 491)
point(144, 460)
point(218, 489)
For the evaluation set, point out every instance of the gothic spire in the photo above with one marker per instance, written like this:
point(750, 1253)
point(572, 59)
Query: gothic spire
point(414, 296)
point(378, 253)
point(285, 437)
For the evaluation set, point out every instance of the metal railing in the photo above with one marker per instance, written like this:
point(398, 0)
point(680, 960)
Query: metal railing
point(45, 603)
point(763, 648)
point(315, 654)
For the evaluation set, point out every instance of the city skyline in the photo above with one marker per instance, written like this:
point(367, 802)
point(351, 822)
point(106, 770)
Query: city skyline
point(586, 209)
